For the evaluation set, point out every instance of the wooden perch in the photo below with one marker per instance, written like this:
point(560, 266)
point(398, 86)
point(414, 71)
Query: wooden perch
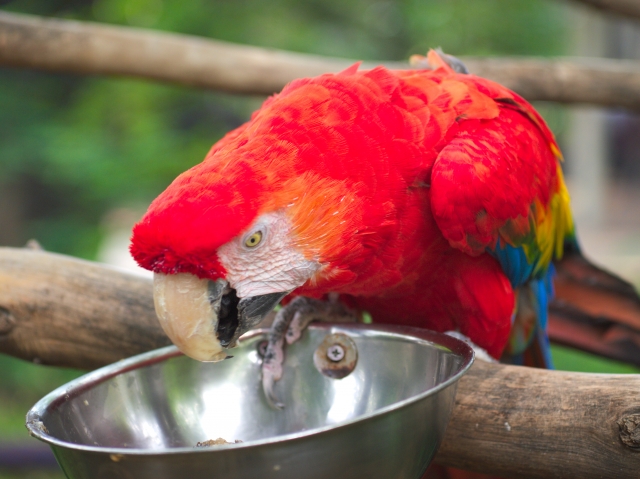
point(67, 312)
point(92, 49)
point(512, 421)
point(628, 8)
point(521, 422)
point(604, 82)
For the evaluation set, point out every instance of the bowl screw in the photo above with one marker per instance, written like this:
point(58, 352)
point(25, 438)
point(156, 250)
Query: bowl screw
point(336, 357)
point(335, 353)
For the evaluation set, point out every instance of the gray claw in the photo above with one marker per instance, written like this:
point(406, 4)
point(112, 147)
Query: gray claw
point(272, 370)
point(268, 382)
point(288, 325)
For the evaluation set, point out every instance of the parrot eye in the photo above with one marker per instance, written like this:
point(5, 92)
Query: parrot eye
point(253, 240)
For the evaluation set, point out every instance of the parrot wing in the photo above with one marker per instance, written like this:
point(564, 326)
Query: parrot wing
point(503, 178)
point(497, 188)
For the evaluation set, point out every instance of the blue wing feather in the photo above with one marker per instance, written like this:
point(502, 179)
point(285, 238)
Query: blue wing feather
point(537, 292)
point(514, 263)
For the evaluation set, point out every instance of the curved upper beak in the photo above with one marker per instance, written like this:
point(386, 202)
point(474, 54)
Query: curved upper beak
point(202, 317)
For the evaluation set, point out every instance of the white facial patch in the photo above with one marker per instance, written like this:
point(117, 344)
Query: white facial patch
point(264, 260)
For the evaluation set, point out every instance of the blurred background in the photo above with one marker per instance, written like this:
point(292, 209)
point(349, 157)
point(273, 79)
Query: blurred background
point(82, 157)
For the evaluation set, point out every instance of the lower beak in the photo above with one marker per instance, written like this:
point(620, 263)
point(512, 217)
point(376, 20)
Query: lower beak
point(203, 318)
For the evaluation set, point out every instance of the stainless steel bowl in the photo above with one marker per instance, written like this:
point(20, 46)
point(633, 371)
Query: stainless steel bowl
point(143, 417)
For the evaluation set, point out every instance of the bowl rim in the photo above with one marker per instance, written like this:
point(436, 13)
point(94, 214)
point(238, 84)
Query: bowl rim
point(77, 386)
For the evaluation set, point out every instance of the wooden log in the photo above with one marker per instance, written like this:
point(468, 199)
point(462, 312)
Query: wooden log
point(521, 422)
point(599, 81)
point(64, 311)
point(86, 48)
point(28, 41)
point(511, 421)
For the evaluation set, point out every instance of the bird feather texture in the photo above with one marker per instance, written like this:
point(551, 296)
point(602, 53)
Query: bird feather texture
point(428, 197)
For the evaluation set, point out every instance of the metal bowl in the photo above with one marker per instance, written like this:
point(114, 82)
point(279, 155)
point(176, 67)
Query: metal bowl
point(143, 417)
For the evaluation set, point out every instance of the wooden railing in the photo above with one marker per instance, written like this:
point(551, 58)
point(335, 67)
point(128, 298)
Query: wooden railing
point(93, 49)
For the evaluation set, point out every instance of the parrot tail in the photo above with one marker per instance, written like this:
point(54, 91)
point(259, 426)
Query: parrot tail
point(528, 341)
point(594, 310)
point(576, 304)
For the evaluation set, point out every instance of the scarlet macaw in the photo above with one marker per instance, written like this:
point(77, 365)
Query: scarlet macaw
point(426, 197)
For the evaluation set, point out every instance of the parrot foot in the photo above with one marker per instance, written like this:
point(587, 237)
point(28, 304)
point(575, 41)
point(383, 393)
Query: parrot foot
point(480, 353)
point(290, 322)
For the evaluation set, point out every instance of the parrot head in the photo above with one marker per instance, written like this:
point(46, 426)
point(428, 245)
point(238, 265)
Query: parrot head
point(229, 238)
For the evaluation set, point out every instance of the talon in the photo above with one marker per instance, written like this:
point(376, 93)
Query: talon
point(270, 395)
point(268, 384)
point(287, 327)
point(272, 370)
point(295, 329)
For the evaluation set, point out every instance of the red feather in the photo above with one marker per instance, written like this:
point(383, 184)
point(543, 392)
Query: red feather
point(396, 181)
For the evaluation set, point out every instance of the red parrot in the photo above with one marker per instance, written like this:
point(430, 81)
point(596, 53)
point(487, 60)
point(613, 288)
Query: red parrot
point(425, 197)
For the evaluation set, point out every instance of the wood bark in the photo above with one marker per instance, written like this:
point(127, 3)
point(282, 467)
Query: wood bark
point(92, 49)
point(63, 311)
point(604, 82)
point(51, 44)
point(521, 422)
point(511, 421)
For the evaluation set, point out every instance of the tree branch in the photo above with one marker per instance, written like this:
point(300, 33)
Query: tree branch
point(93, 49)
point(508, 420)
point(51, 44)
point(518, 422)
point(64, 311)
point(604, 82)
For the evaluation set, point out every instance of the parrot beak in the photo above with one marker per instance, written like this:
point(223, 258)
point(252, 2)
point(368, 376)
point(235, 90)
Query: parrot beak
point(202, 317)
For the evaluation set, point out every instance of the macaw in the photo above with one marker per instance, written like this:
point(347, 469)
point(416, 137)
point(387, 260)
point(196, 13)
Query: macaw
point(426, 197)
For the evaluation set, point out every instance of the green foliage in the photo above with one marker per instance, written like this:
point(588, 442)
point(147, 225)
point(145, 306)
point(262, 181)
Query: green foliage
point(487, 27)
point(568, 359)
point(20, 474)
point(23, 384)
